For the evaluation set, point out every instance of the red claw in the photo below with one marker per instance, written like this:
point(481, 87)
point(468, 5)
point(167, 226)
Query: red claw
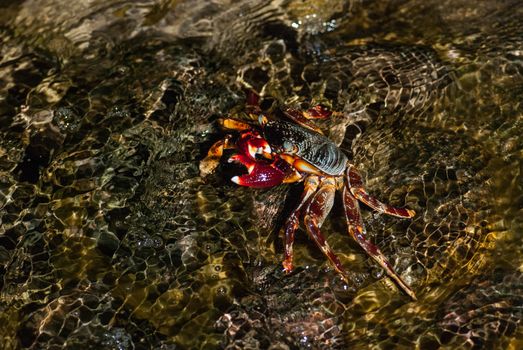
point(263, 175)
point(247, 161)
point(251, 144)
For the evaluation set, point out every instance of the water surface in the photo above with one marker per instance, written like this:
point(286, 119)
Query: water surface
point(109, 237)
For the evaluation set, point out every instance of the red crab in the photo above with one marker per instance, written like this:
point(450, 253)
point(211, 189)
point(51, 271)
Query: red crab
point(277, 151)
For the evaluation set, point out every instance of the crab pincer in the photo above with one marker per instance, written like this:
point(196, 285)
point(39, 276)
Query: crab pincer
point(251, 144)
point(262, 176)
point(261, 173)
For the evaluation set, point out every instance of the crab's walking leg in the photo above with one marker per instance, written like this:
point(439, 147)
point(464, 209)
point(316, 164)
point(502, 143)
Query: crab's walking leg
point(293, 221)
point(211, 161)
point(252, 102)
point(357, 231)
point(233, 124)
point(315, 214)
point(298, 117)
point(357, 189)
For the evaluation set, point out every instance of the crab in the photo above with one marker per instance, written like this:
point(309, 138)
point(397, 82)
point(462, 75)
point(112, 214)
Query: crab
point(292, 149)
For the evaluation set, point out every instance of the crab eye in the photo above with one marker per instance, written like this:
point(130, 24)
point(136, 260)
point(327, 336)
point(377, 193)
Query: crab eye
point(288, 147)
point(262, 120)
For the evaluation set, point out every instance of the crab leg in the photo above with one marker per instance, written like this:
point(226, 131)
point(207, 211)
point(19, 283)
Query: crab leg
point(293, 221)
point(303, 117)
point(252, 102)
point(357, 189)
point(315, 214)
point(357, 232)
point(233, 124)
point(317, 112)
point(298, 117)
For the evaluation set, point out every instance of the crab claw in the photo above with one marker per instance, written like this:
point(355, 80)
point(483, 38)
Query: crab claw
point(245, 160)
point(263, 175)
point(252, 144)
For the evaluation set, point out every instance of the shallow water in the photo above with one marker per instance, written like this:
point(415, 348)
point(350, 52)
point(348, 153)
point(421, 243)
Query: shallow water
point(110, 238)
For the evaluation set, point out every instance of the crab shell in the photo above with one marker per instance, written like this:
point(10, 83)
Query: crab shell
point(314, 148)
